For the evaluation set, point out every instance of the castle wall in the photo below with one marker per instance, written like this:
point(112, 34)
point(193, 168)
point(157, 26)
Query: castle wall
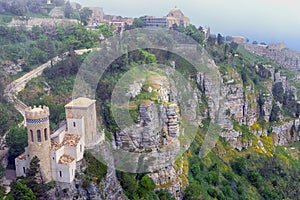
point(66, 173)
point(76, 126)
point(22, 164)
point(55, 155)
point(59, 135)
point(77, 151)
point(62, 172)
point(88, 113)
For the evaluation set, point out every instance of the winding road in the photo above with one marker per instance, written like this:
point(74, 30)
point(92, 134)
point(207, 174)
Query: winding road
point(11, 91)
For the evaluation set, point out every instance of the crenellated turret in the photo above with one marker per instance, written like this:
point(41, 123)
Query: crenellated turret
point(37, 112)
point(39, 141)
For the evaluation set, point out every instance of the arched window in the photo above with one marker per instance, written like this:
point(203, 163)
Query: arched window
point(31, 134)
point(39, 138)
point(45, 134)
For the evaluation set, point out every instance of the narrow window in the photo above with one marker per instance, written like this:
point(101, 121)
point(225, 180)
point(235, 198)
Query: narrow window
point(45, 134)
point(74, 124)
point(80, 148)
point(31, 133)
point(24, 170)
point(60, 173)
point(39, 138)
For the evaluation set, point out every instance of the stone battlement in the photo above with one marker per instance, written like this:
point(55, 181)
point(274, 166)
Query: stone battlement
point(37, 112)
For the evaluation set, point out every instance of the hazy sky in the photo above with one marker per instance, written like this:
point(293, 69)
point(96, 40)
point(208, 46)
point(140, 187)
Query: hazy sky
point(261, 20)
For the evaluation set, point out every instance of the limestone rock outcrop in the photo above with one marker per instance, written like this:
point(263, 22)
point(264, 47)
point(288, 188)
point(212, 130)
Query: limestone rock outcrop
point(286, 132)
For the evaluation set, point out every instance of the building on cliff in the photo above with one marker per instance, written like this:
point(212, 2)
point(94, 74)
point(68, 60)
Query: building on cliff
point(59, 152)
point(174, 17)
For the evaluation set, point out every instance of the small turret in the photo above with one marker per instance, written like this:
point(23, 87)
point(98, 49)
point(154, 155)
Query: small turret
point(39, 142)
point(37, 112)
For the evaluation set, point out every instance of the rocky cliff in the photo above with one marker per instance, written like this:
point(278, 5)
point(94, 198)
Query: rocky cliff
point(280, 55)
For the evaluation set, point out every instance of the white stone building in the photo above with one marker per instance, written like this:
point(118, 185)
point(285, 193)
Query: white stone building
point(59, 152)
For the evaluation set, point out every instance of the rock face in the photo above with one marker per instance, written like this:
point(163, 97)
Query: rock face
point(108, 188)
point(169, 179)
point(267, 106)
point(12, 68)
point(239, 104)
point(286, 133)
point(279, 54)
point(156, 135)
point(153, 128)
point(135, 89)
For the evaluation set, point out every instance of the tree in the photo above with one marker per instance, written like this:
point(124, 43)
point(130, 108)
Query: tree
point(146, 186)
point(4, 118)
point(128, 183)
point(58, 2)
point(16, 140)
point(68, 10)
point(2, 191)
point(18, 8)
point(34, 179)
point(220, 39)
point(35, 6)
point(212, 40)
point(138, 23)
point(192, 31)
point(105, 30)
point(85, 15)
point(192, 192)
point(275, 112)
point(278, 92)
point(254, 178)
point(20, 191)
point(164, 195)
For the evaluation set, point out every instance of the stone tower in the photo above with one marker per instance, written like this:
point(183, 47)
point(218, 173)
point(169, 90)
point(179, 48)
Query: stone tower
point(81, 114)
point(39, 142)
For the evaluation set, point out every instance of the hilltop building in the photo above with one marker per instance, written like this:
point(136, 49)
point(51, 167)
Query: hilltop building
point(154, 22)
point(174, 17)
point(97, 15)
point(59, 152)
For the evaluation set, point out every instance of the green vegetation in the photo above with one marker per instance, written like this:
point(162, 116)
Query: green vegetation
point(96, 170)
point(31, 186)
point(28, 7)
point(16, 140)
point(224, 173)
point(241, 175)
point(57, 81)
point(20, 191)
point(41, 44)
point(138, 186)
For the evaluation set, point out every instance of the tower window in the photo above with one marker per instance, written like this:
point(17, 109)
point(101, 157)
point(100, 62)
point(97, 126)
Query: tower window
point(60, 174)
point(74, 124)
point(45, 134)
point(39, 138)
point(24, 170)
point(80, 148)
point(31, 133)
